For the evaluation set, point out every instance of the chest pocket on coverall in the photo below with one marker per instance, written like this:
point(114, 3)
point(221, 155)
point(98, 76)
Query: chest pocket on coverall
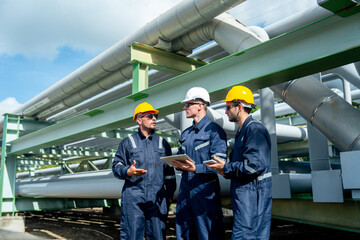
point(137, 155)
point(202, 146)
point(158, 165)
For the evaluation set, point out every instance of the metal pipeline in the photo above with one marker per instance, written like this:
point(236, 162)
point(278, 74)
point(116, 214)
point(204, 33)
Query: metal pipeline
point(328, 112)
point(103, 184)
point(107, 68)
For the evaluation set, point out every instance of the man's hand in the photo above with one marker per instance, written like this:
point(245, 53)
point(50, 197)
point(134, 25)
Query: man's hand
point(186, 165)
point(218, 166)
point(135, 172)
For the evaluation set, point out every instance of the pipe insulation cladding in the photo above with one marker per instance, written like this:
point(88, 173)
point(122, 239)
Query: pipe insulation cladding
point(102, 184)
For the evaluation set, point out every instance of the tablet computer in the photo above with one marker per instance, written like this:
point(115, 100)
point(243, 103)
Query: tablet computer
point(168, 159)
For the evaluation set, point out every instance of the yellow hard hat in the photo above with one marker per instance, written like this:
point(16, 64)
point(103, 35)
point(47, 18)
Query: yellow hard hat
point(240, 93)
point(144, 107)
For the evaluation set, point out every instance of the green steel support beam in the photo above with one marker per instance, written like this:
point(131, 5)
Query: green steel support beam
point(65, 168)
point(140, 77)
point(37, 162)
point(341, 216)
point(322, 45)
point(162, 60)
point(144, 57)
point(8, 163)
point(86, 166)
point(342, 8)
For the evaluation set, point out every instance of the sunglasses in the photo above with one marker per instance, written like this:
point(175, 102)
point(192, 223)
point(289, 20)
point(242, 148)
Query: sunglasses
point(188, 104)
point(150, 116)
point(228, 107)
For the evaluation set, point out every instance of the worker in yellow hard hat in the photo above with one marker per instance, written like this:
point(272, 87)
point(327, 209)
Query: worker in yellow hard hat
point(249, 169)
point(149, 182)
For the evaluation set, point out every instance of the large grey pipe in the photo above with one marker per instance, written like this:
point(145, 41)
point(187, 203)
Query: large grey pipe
point(327, 111)
point(102, 184)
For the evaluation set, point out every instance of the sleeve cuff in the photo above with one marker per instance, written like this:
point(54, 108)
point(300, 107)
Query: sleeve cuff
point(227, 168)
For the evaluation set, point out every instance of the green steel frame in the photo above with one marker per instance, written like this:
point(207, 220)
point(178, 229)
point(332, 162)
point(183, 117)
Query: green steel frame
point(8, 164)
point(322, 45)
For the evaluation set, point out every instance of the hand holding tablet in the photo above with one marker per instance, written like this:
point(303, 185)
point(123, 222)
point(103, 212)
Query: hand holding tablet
point(180, 157)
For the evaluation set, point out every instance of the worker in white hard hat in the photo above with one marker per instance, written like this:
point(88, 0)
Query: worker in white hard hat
point(149, 182)
point(198, 210)
point(249, 169)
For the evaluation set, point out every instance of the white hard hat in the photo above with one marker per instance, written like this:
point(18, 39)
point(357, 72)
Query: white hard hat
point(197, 92)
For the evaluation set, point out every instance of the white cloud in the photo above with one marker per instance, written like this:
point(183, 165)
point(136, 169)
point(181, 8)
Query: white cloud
point(37, 28)
point(8, 105)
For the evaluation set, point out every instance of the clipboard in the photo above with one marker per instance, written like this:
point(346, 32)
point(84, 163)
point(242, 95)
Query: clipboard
point(168, 159)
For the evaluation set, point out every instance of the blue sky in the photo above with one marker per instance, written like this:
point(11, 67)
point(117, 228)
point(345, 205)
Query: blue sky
point(42, 41)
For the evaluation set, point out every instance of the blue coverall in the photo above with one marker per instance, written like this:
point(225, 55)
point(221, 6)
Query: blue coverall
point(250, 188)
point(198, 210)
point(144, 199)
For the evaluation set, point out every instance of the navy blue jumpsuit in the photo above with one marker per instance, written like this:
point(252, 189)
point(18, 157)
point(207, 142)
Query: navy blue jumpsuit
point(250, 189)
point(144, 205)
point(198, 210)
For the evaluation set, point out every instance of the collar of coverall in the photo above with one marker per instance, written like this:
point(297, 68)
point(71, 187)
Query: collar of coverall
point(142, 136)
point(201, 123)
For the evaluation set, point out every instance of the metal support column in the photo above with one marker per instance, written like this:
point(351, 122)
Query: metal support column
point(326, 183)
point(8, 165)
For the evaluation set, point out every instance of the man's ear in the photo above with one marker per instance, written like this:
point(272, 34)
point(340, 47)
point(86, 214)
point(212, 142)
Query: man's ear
point(138, 120)
point(241, 107)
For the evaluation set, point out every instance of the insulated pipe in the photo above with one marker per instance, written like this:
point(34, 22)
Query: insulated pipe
point(102, 184)
point(280, 109)
point(229, 33)
point(357, 66)
point(300, 183)
point(325, 110)
point(206, 54)
point(117, 92)
point(215, 29)
point(268, 119)
point(284, 133)
point(347, 91)
point(178, 20)
point(347, 72)
point(297, 20)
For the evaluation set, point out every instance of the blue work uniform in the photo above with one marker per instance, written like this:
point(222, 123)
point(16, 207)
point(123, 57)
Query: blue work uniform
point(250, 189)
point(144, 199)
point(198, 210)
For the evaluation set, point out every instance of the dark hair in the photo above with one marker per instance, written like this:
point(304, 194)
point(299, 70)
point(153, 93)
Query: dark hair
point(247, 110)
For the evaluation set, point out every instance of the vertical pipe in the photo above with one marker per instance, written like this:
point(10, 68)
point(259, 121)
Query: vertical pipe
point(268, 119)
point(347, 91)
point(184, 122)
